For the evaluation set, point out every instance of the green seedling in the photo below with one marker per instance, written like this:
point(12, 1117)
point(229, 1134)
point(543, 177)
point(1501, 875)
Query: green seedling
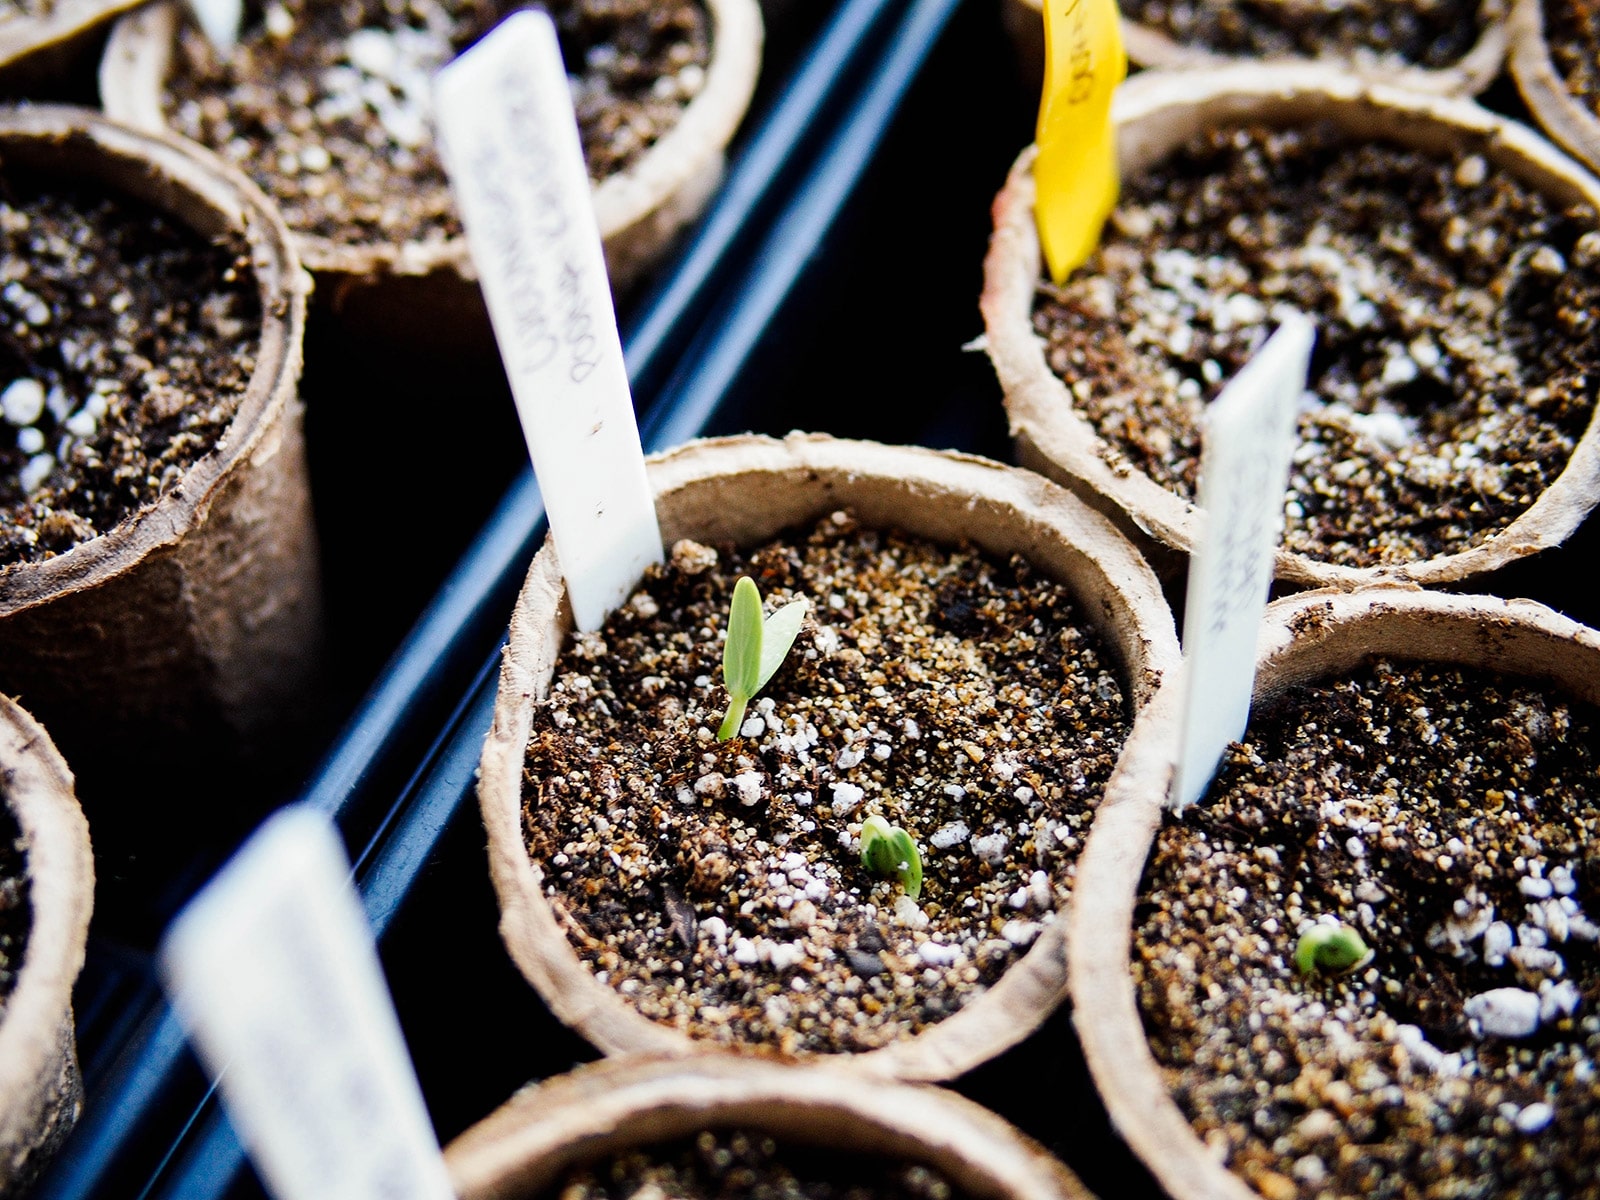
point(1331, 950)
point(888, 850)
point(755, 648)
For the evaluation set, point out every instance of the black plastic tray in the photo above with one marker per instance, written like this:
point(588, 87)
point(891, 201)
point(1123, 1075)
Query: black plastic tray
point(832, 287)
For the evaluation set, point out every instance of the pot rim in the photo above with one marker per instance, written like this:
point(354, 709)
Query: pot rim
point(199, 190)
point(138, 56)
point(1148, 46)
point(22, 35)
point(60, 873)
point(1558, 112)
point(600, 1108)
point(1304, 637)
point(934, 494)
point(1157, 111)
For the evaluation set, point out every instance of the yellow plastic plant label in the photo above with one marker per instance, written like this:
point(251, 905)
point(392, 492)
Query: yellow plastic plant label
point(1075, 175)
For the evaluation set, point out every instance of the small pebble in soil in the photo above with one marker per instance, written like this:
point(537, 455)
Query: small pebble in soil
point(678, 864)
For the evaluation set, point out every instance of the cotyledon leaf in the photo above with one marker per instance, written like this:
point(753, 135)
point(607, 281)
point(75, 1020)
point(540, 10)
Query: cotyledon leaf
point(777, 635)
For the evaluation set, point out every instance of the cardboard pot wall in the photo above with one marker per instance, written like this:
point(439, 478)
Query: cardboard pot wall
point(191, 628)
point(40, 1092)
point(1559, 112)
point(1156, 114)
point(524, 1148)
point(41, 41)
point(1307, 638)
point(745, 491)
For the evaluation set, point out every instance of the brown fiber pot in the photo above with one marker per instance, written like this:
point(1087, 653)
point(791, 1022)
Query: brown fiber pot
point(1151, 47)
point(194, 622)
point(393, 288)
point(745, 490)
point(1155, 114)
point(1562, 115)
point(1303, 638)
point(40, 1092)
point(521, 1150)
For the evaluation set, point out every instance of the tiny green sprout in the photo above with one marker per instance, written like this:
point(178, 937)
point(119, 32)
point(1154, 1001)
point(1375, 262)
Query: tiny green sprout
point(1330, 949)
point(755, 648)
point(888, 850)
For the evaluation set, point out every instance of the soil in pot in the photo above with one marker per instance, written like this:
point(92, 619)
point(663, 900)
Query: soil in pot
point(1455, 364)
point(15, 908)
point(1432, 35)
point(1450, 816)
point(726, 1163)
point(1572, 34)
point(718, 886)
point(325, 105)
point(126, 344)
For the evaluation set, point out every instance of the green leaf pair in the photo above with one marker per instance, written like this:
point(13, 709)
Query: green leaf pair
point(1330, 949)
point(888, 850)
point(755, 648)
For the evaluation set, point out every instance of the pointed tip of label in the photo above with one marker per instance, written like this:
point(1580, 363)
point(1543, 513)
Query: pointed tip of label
point(1181, 795)
point(219, 20)
point(1245, 458)
point(1296, 329)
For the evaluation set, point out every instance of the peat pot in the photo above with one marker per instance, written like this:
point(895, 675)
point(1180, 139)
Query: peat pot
point(418, 281)
point(967, 678)
point(1451, 432)
point(825, 1122)
point(40, 1091)
point(159, 594)
point(1419, 769)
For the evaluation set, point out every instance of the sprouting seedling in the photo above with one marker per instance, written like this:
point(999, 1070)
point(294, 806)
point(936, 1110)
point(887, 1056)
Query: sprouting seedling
point(1330, 949)
point(755, 648)
point(888, 850)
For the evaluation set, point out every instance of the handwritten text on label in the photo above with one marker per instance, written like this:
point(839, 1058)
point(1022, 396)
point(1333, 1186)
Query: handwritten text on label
point(510, 141)
point(1244, 469)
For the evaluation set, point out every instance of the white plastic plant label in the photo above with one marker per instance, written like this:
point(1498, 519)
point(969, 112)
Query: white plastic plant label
point(219, 20)
point(273, 972)
point(510, 142)
point(1249, 441)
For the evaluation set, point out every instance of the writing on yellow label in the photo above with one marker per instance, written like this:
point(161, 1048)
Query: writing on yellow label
point(1075, 175)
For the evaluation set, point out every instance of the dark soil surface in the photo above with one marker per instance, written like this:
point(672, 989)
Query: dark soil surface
point(325, 103)
point(719, 886)
point(741, 1165)
point(1435, 34)
point(1452, 817)
point(1456, 359)
point(16, 912)
point(126, 343)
